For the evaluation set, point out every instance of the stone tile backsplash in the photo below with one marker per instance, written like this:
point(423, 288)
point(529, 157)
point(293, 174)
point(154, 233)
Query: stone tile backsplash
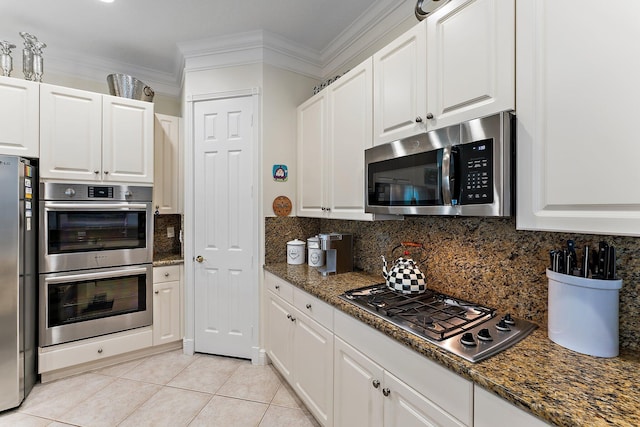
point(162, 244)
point(481, 259)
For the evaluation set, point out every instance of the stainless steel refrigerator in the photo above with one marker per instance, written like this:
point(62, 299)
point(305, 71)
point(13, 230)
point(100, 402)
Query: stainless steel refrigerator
point(18, 279)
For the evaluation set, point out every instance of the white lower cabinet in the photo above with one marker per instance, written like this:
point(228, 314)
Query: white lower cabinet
point(492, 411)
point(301, 348)
point(368, 394)
point(167, 315)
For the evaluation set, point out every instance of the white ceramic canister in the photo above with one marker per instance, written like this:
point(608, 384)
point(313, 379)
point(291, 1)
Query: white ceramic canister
point(295, 252)
point(315, 255)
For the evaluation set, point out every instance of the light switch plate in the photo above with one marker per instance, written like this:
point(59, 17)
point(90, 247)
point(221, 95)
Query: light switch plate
point(171, 232)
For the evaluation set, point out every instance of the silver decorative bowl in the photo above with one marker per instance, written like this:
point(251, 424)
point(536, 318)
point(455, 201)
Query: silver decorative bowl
point(126, 86)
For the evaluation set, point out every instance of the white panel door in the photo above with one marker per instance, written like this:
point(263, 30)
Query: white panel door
point(127, 145)
point(70, 134)
point(357, 388)
point(19, 117)
point(225, 280)
point(350, 133)
point(400, 86)
point(279, 335)
point(470, 60)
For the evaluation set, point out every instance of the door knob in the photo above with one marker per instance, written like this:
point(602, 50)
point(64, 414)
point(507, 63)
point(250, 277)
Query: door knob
point(199, 258)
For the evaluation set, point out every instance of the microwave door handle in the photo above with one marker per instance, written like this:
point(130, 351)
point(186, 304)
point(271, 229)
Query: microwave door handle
point(89, 206)
point(446, 176)
point(94, 276)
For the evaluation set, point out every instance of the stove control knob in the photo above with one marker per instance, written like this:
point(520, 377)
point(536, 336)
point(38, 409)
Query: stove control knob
point(467, 339)
point(502, 326)
point(508, 319)
point(484, 335)
point(69, 192)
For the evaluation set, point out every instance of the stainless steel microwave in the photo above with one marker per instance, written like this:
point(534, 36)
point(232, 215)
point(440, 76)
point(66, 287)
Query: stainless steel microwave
point(465, 169)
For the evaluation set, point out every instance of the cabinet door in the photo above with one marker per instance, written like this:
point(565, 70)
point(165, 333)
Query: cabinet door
point(70, 134)
point(279, 335)
point(127, 149)
point(19, 117)
point(350, 133)
point(577, 156)
point(470, 60)
point(492, 411)
point(166, 312)
point(405, 407)
point(399, 91)
point(167, 182)
point(313, 367)
point(312, 128)
point(357, 387)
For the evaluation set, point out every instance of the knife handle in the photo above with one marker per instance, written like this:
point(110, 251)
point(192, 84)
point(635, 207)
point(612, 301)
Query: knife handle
point(611, 272)
point(585, 262)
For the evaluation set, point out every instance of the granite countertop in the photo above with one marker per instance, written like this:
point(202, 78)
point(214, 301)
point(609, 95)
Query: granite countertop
point(160, 260)
point(558, 385)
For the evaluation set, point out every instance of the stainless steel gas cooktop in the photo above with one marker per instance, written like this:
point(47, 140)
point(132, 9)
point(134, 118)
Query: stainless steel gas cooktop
point(469, 330)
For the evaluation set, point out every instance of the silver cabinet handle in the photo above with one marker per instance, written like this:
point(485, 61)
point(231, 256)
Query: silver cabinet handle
point(106, 172)
point(96, 172)
point(288, 316)
point(277, 287)
point(156, 292)
point(429, 116)
point(386, 392)
point(418, 119)
point(308, 306)
point(375, 383)
point(166, 274)
point(100, 350)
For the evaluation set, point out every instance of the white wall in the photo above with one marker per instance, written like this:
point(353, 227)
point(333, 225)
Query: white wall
point(283, 92)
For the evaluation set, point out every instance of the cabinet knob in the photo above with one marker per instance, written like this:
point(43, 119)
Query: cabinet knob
point(156, 292)
point(375, 383)
point(100, 350)
point(106, 172)
point(166, 274)
point(308, 306)
point(386, 392)
point(96, 172)
point(429, 116)
point(293, 319)
point(418, 119)
point(277, 287)
point(288, 316)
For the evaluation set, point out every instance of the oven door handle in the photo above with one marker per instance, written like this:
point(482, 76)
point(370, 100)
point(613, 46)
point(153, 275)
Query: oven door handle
point(446, 176)
point(93, 276)
point(88, 206)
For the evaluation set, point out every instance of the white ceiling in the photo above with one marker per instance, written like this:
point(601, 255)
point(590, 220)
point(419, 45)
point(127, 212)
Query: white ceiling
point(90, 38)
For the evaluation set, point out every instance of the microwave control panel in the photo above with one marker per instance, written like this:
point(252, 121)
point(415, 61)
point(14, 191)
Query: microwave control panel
point(476, 167)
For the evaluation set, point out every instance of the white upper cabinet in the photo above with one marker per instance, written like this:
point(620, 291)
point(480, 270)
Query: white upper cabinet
point(400, 86)
point(87, 136)
point(19, 117)
point(70, 134)
point(334, 129)
point(127, 140)
point(470, 61)
point(168, 153)
point(577, 95)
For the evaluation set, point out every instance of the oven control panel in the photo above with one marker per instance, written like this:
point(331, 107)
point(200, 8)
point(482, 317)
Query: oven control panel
point(100, 192)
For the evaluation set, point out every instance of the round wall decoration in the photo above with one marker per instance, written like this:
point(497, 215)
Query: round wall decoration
point(282, 206)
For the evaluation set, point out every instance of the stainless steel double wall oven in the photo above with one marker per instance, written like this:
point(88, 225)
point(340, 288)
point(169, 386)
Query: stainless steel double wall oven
point(96, 253)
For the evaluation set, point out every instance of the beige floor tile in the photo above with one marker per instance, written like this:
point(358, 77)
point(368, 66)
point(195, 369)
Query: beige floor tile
point(207, 373)
point(252, 382)
point(278, 416)
point(119, 369)
point(171, 407)
point(54, 399)
point(226, 412)
point(112, 404)
point(18, 419)
point(161, 368)
point(285, 396)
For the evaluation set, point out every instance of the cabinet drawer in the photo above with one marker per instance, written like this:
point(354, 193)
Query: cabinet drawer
point(279, 287)
point(169, 273)
point(316, 309)
point(70, 354)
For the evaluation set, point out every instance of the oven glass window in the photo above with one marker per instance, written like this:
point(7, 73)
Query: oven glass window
point(80, 301)
point(73, 231)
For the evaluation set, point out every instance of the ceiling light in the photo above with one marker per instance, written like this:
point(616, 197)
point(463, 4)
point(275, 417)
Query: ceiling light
point(106, 1)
